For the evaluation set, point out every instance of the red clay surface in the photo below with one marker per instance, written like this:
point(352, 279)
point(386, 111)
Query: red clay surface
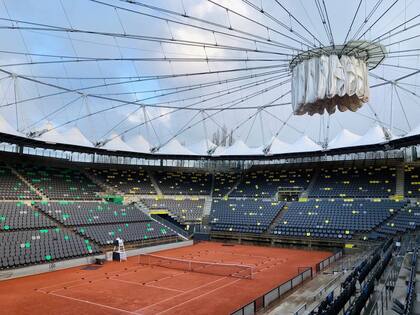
point(131, 288)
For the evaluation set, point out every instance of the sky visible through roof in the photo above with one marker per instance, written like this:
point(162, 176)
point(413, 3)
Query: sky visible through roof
point(181, 69)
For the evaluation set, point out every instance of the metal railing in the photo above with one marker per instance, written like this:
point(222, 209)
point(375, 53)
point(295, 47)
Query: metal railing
point(264, 300)
point(328, 261)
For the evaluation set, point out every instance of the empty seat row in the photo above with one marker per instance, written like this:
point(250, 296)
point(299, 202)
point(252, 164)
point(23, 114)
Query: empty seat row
point(337, 217)
point(13, 188)
point(85, 213)
point(60, 183)
point(128, 181)
point(184, 210)
point(357, 182)
point(412, 181)
point(129, 232)
point(184, 183)
point(19, 216)
point(249, 215)
point(266, 183)
point(22, 248)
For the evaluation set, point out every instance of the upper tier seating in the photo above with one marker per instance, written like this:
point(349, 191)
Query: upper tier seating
point(265, 183)
point(243, 215)
point(18, 216)
point(12, 188)
point(184, 183)
point(127, 181)
point(85, 213)
point(60, 183)
point(412, 181)
point(224, 182)
point(367, 182)
point(129, 232)
point(182, 209)
point(335, 218)
point(23, 248)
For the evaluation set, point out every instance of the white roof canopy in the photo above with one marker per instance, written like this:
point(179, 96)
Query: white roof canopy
point(139, 144)
point(75, 137)
point(173, 147)
point(278, 146)
point(117, 144)
point(5, 127)
point(305, 144)
point(372, 136)
point(344, 138)
point(202, 147)
point(238, 148)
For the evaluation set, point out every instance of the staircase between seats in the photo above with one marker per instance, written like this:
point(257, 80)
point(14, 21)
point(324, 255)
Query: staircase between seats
point(399, 180)
point(235, 186)
point(278, 217)
point(155, 183)
point(314, 178)
point(142, 207)
point(23, 179)
point(106, 188)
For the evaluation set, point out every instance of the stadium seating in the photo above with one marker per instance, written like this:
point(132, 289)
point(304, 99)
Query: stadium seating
point(184, 183)
point(19, 216)
point(224, 182)
point(243, 215)
point(85, 213)
point(412, 181)
point(129, 232)
point(22, 248)
point(335, 218)
point(367, 182)
point(12, 188)
point(127, 181)
point(60, 183)
point(265, 183)
point(403, 221)
point(182, 209)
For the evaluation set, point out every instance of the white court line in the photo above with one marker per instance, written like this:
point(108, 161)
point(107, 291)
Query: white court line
point(185, 292)
point(198, 296)
point(93, 279)
point(147, 285)
point(77, 285)
point(92, 303)
point(168, 277)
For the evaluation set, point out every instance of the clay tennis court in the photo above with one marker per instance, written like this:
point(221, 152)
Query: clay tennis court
point(134, 288)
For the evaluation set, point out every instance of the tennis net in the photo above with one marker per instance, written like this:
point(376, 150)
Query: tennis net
point(214, 268)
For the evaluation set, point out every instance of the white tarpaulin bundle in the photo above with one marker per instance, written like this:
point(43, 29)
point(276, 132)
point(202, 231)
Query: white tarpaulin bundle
point(329, 82)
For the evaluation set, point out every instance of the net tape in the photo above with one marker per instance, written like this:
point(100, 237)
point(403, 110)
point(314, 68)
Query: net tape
point(213, 268)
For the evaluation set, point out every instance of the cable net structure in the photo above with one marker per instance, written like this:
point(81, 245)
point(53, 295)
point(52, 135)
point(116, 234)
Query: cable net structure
point(210, 77)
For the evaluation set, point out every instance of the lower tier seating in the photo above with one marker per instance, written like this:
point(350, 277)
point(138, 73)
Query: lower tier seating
point(84, 213)
point(335, 218)
point(183, 210)
point(129, 232)
point(405, 220)
point(243, 215)
point(22, 248)
point(19, 216)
